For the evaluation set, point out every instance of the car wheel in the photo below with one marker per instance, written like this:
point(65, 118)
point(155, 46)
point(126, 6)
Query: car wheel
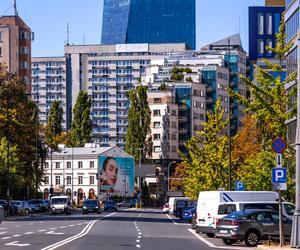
point(251, 239)
point(228, 242)
point(210, 235)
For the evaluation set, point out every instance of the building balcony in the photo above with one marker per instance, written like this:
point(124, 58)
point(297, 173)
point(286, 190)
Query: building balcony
point(182, 107)
point(182, 131)
point(182, 119)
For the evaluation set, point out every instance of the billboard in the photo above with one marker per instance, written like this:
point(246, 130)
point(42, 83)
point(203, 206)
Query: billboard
point(116, 175)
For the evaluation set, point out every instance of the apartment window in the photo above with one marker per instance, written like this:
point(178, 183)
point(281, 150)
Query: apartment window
point(156, 137)
point(269, 43)
point(23, 34)
point(174, 137)
point(174, 149)
point(173, 112)
point(174, 125)
point(156, 112)
point(156, 124)
point(80, 164)
point(68, 164)
point(157, 100)
point(23, 65)
point(80, 180)
point(260, 46)
point(69, 180)
point(57, 164)
point(269, 23)
point(46, 180)
point(57, 180)
point(292, 25)
point(46, 164)
point(92, 180)
point(92, 164)
point(157, 149)
point(291, 61)
point(260, 21)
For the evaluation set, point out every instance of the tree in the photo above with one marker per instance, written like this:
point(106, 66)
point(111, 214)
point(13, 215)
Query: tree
point(81, 127)
point(139, 117)
point(54, 124)
point(19, 136)
point(267, 108)
point(207, 159)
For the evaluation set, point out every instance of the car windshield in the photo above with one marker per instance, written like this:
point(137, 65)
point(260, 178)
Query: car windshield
point(58, 200)
point(90, 202)
point(236, 215)
point(289, 208)
point(16, 203)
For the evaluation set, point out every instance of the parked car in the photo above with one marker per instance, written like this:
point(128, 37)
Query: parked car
point(12, 210)
point(187, 213)
point(38, 205)
point(90, 205)
point(251, 226)
point(110, 205)
point(22, 207)
point(60, 204)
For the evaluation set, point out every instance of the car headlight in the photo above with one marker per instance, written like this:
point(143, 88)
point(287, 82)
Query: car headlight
point(84, 207)
point(97, 207)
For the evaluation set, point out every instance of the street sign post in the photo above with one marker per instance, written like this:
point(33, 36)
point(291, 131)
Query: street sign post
point(239, 186)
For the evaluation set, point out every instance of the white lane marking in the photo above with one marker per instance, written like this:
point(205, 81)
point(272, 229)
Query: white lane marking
point(15, 243)
point(138, 240)
point(63, 227)
point(3, 232)
point(138, 230)
point(138, 246)
point(140, 233)
point(79, 224)
point(71, 225)
point(42, 230)
point(139, 237)
point(108, 215)
point(28, 233)
point(30, 224)
point(213, 245)
point(84, 232)
point(55, 233)
point(16, 235)
point(171, 219)
point(17, 226)
point(41, 222)
point(2, 228)
point(53, 228)
point(5, 238)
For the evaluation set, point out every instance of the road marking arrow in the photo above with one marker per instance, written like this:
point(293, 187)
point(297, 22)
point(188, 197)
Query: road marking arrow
point(15, 243)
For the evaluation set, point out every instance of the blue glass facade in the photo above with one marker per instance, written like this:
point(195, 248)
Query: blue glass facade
point(149, 21)
point(264, 22)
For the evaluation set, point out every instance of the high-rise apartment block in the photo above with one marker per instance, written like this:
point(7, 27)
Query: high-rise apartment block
point(149, 21)
point(15, 47)
point(48, 85)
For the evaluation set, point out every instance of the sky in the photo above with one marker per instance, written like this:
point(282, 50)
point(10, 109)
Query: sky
point(216, 19)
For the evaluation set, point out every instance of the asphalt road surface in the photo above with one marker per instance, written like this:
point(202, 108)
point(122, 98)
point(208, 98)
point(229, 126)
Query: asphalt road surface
point(125, 229)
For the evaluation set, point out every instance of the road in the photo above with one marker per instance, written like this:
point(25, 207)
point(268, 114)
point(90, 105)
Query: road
point(126, 229)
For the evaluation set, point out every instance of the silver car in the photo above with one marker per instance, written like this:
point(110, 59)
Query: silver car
point(23, 207)
point(251, 226)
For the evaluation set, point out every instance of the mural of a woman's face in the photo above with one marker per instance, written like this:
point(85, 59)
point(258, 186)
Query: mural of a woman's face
point(111, 172)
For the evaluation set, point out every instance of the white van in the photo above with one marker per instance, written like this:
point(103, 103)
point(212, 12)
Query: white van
point(211, 203)
point(172, 203)
point(60, 204)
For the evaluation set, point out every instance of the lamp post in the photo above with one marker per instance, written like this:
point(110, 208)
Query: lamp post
point(169, 165)
point(295, 236)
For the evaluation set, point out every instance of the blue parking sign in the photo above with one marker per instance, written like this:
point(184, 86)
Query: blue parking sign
point(239, 186)
point(279, 175)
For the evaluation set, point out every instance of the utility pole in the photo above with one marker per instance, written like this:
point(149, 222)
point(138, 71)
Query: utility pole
point(229, 120)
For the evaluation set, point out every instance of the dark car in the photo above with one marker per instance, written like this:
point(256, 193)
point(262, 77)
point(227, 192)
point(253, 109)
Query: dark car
point(251, 226)
point(12, 209)
point(128, 204)
point(110, 205)
point(187, 213)
point(91, 206)
point(38, 205)
point(180, 205)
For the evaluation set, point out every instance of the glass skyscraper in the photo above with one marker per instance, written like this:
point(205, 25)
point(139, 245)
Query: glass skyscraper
point(149, 21)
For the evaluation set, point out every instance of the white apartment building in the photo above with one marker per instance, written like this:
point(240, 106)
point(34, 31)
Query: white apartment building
point(107, 72)
point(74, 171)
point(48, 84)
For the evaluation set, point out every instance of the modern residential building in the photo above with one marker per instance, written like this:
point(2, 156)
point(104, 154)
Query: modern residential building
point(107, 73)
point(48, 85)
point(77, 171)
point(144, 21)
point(231, 51)
point(292, 25)
point(15, 47)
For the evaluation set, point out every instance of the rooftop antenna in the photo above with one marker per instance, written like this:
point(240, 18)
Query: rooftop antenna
point(15, 7)
point(68, 32)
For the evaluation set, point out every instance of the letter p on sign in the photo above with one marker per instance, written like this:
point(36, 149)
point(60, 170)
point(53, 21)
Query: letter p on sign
point(279, 175)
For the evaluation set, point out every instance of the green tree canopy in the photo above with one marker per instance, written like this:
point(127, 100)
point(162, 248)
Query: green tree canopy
point(81, 127)
point(139, 118)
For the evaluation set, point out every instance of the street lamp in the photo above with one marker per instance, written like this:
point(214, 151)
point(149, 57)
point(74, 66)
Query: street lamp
point(295, 236)
point(169, 165)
